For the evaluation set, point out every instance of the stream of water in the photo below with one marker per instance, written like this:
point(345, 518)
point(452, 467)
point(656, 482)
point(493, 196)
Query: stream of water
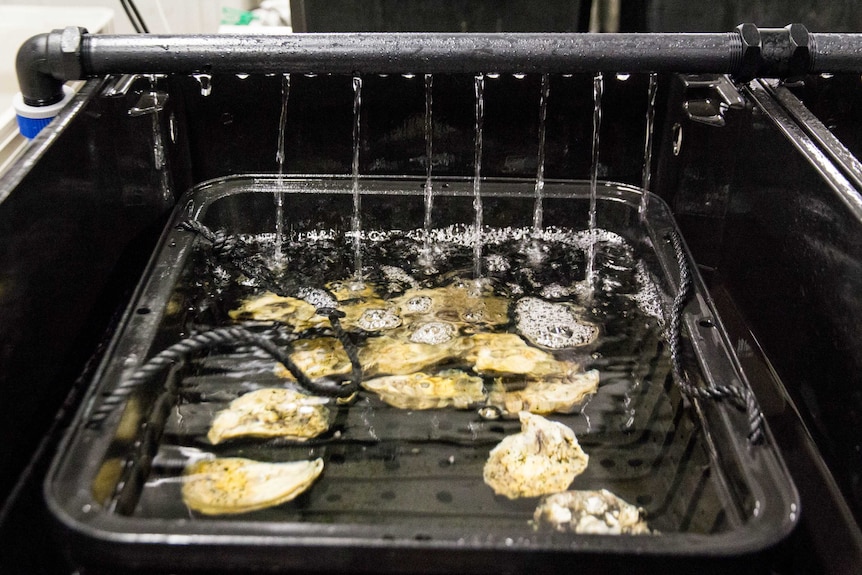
point(279, 159)
point(477, 175)
point(356, 222)
point(648, 138)
point(598, 86)
point(540, 170)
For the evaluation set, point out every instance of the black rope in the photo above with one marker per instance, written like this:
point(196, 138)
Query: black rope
point(742, 398)
point(234, 252)
point(234, 335)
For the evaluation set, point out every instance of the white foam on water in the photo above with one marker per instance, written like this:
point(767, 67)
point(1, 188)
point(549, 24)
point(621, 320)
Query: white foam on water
point(552, 325)
point(418, 304)
point(377, 319)
point(317, 297)
point(497, 263)
point(648, 297)
point(395, 274)
point(433, 333)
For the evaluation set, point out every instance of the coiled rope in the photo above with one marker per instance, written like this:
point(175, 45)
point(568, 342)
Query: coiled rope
point(235, 252)
point(742, 398)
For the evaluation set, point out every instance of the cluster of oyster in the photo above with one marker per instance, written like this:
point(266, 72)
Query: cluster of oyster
point(430, 348)
point(426, 348)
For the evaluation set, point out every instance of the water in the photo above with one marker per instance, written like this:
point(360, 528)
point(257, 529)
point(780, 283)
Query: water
point(626, 427)
point(152, 102)
point(648, 138)
point(279, 159)
point(356, 222)
point(429, 137)
point(623, 427)
point(540, 171)
point(205, 80)
point(479, 85)
point(598, 83)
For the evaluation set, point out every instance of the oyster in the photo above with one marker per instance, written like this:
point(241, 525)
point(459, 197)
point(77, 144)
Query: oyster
point(459, 304)
point(599, 512)
point(546, 396)
point(289, 310)
point(498, 354)
point(271, 413)
point(422, 391)
point(389, 355)
point(237, 485)
point(543, 458)
point(318, 357)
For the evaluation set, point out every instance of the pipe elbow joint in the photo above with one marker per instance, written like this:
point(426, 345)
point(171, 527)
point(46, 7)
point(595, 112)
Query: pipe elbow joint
point(46, 61)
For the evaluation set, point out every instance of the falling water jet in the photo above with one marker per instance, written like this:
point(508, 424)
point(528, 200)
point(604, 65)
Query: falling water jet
point(429, 198)
point(540, 172)
point(598, 84)
point(648, 138)
point(429, 195)
point(279, 159)
point(356, 223)
point(477, 176)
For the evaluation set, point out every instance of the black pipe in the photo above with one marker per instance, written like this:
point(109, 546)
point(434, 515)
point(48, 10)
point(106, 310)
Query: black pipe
point(746, 53)
point(45, 61)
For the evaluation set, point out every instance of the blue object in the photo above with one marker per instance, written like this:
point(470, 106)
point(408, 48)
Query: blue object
point(30, 127)
point(31, 119)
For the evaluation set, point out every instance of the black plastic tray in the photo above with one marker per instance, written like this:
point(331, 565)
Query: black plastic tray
point(402, 490)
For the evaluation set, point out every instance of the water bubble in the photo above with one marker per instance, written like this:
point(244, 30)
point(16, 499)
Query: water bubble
point(622, 77)
point(497, 263)
point(492, 75)
point(556, 291)
point(398, 275)
point(317, 297)
point(552, 325)
point(433, 333)
point(519, 76)
point(418, 304)
point(242, 76)
point(377, 319)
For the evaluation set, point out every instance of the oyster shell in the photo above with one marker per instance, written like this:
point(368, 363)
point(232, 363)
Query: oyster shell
point(460, 304)
point(388, 355)
point(546, 396)
point(318, 357)
point(271, 413)
point(289, 310)
point(422, 391)
point(237, 485)
point(498, 354)
point(599, 512)
point(543, 458)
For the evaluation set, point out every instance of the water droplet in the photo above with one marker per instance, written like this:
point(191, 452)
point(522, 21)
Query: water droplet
point(205, 80)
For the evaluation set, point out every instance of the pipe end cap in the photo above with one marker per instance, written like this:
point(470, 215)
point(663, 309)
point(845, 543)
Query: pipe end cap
point(31, 119)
